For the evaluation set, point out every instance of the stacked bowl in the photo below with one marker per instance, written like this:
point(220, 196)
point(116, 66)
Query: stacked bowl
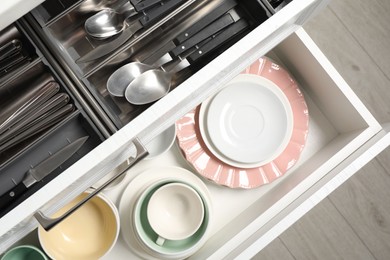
point(170, 217)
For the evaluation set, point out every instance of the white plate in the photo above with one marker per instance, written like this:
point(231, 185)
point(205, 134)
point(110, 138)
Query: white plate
point(250, 121)
point(138, 185)
point(192, 142)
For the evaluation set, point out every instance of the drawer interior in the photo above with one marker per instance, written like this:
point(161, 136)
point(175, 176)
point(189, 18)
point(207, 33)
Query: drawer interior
point(33, 90)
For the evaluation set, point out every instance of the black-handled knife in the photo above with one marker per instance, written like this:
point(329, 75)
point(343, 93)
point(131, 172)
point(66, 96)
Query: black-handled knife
point(143, 5)
point(150, 17)
point(221, 38)
point(155, 56)
point(40, 171)
point(204, 21)
point(227, 19)
point(205, 47)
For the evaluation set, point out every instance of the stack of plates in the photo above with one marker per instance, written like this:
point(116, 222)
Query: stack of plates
point(249, 133)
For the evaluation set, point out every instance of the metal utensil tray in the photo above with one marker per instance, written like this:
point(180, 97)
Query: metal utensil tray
point(67, 38)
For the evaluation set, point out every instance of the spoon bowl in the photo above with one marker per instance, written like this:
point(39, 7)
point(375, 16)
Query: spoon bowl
point(88, 6)
point(122, 77)
point(148, 87)
point(105, 23)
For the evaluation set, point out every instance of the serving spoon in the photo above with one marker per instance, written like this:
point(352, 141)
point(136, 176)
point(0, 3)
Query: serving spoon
point(156, 83)
point(122, 77)
point(112, 21)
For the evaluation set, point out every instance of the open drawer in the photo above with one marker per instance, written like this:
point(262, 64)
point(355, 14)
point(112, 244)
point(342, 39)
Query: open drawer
point(341, 132)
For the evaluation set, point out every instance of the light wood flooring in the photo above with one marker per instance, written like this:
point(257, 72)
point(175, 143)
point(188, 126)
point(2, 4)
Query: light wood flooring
point(354, 221)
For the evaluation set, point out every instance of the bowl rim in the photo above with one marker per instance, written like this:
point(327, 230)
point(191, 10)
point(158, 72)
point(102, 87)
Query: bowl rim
point(115, 212)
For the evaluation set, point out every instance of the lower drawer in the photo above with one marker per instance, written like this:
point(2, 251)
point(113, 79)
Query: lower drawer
point(341, 130)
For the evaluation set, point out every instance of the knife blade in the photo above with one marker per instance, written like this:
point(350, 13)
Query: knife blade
point(150, 16)
point(40, 171)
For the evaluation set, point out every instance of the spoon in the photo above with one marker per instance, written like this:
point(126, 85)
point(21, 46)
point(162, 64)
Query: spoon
point(112, 21)
point(122, 77)
point(88, 6)
point(156, 83)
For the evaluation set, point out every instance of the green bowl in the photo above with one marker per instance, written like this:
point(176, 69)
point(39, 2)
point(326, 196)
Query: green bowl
point(24, 252)
point(148, 237)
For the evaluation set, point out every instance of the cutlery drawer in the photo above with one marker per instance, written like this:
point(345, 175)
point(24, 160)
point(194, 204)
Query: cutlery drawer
point(337, 134)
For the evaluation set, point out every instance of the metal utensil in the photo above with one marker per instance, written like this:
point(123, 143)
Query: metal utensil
point(88, 6)
point(40, 171)
point(51, 106)
point(44, 123)
point(10, 48)
point(154, 84)
point(150, 17)
point(121, 78)
point(110, 21)
point(156, 57)
point(42, 95)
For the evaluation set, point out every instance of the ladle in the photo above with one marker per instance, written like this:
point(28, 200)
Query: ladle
point(111, 21)
point(121, 78)
point(156, 83)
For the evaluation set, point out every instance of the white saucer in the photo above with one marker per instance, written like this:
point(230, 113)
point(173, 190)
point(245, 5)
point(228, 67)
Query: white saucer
point(138, 185)
point(249, 122)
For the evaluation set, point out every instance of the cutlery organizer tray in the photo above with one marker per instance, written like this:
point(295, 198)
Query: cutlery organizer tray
point(66, 36)
point(39, 115)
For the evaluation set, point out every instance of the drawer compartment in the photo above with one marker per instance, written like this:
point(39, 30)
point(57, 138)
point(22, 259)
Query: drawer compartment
point(39, 115)
point(339, 125)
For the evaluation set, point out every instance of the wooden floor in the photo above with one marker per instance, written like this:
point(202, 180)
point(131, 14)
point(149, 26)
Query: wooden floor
point(354, 221)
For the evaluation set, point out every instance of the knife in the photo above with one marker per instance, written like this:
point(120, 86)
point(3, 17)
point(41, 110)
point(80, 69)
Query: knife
point(150, 17)
point(40, 171)
point(218, 25)
point(155, 56)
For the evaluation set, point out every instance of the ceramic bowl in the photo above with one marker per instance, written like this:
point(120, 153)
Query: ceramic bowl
point(88, 233)
point(24, 252)
point(175, 211)
point(170, 249)
point(161, 143)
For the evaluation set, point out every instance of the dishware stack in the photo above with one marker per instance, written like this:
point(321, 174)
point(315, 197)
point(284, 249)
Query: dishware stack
point(166, 213)
point(251, 132)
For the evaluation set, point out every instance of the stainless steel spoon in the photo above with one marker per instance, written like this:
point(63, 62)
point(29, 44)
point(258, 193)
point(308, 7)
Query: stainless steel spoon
point(156, 83)
point(121, 78)
point(112, 21)
point(88, 6)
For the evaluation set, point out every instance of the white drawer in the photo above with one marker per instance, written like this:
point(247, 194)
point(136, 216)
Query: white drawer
point(343, 136)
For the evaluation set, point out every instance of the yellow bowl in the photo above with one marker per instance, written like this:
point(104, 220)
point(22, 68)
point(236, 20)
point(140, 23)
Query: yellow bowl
point(89, 233)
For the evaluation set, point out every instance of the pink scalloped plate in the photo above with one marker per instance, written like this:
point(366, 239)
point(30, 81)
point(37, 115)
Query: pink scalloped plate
point(209, 166)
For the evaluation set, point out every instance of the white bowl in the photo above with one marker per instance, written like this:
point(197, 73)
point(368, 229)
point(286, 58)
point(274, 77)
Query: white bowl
point(161, 143)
